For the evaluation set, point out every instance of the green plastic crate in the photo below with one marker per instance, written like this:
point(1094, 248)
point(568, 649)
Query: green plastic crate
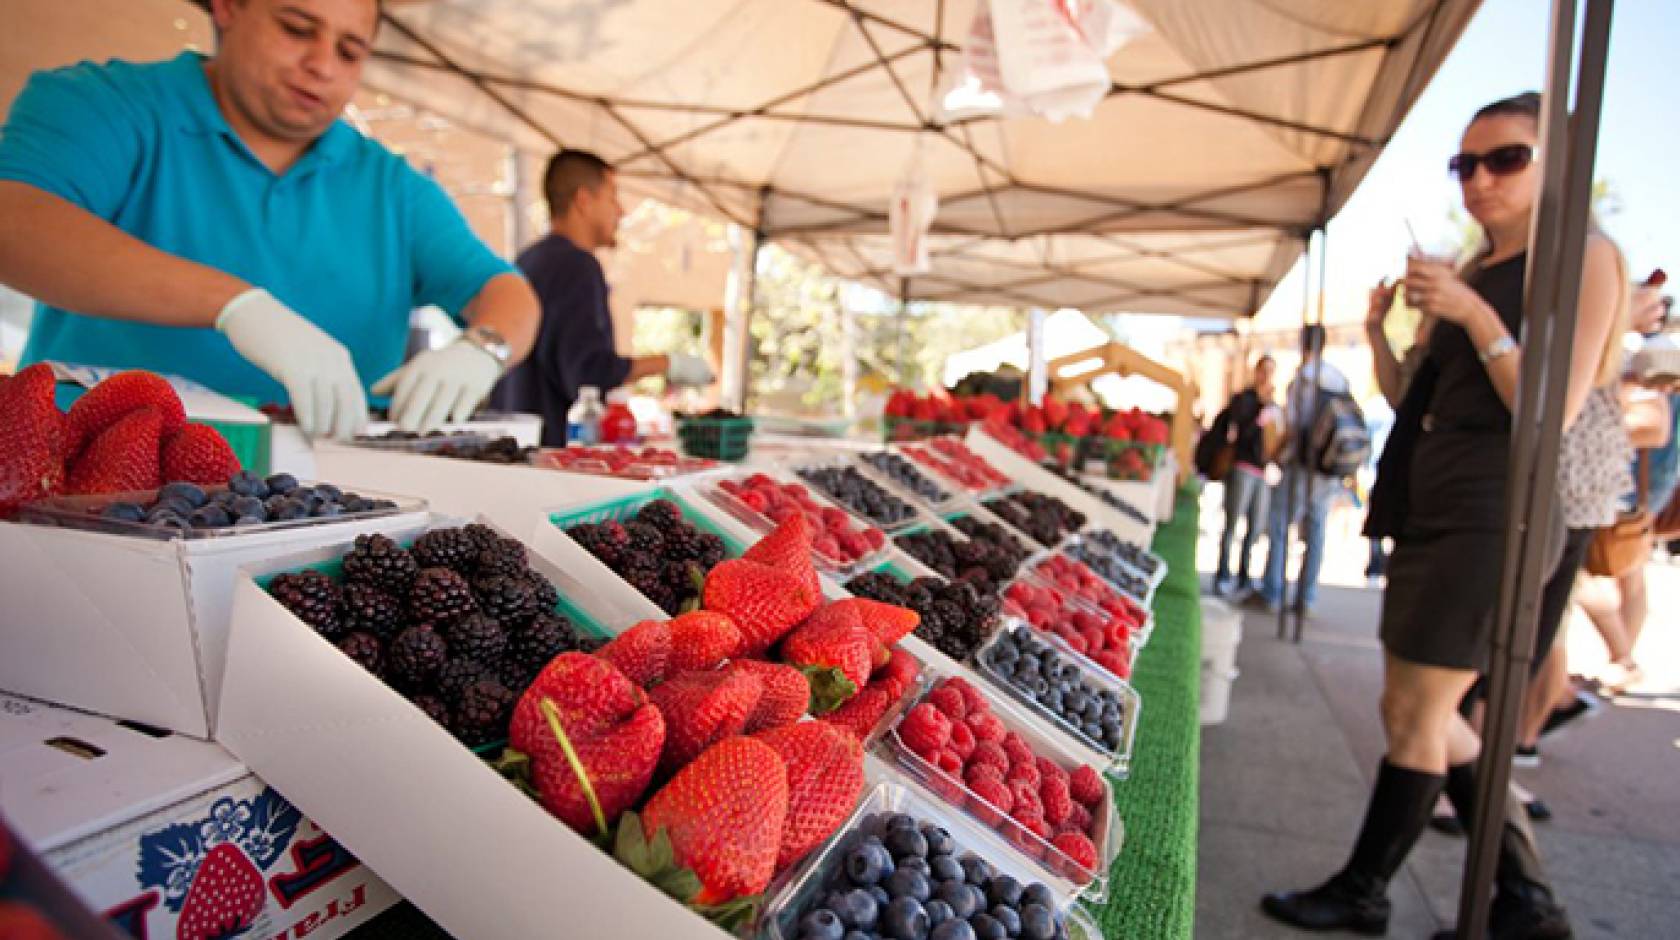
point(726, 439)
point(251, 443)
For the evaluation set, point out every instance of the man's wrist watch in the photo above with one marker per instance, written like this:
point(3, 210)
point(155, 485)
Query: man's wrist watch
point(491, 342)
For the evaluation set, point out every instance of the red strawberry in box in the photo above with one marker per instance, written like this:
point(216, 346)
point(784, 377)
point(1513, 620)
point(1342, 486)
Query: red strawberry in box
point(35, 438)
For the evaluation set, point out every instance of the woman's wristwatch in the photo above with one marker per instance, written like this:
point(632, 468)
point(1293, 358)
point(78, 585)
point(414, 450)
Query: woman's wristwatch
point(1498, 349)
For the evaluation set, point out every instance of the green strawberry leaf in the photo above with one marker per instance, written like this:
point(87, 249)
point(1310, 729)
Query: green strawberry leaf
point(733, 915)
point(654, 859)
point(515, 767)
point(829, 688)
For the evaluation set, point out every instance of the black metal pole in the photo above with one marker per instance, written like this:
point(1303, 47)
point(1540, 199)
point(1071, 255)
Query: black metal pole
point(1556, 248)
point(1312, 419)
point(1292, 444)
point(903, 331)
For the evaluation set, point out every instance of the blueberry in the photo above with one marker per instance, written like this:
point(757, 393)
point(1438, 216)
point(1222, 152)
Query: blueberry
point(127, 512)
point(168, 520)
point(246, 483)
point(860, 935)
point(909, 883)
point(906, 843)
point(190, 493)
point(939, 841)
point(1038, 685)
point(945, 868)
point(857, 908)
point(905, 919)
point(916, 863)
point(986, 927)
point(383, 505)
point(172, 504)
point(960, 897)
point(291, 509)
point(821, 924)
point(1093, 730)
point(882, 898)
point(1076, 701)
point(1008, 917)
point(1030, 663)
point(1093, 710)
point(978, 870)
point(329, 492)
point(327, 510)
point(1005, 653)
point(900, 821)
point(954, 929)
point(281, 483)
point(210, 517)
point(1037, 923)
point(868, 864)
point(356, 504)
point(1003, 890)
point(938, 912)
point(248, 521)
point(249, 506)
point(1037, 893)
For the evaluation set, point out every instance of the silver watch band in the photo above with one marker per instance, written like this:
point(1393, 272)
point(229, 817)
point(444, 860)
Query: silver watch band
point(1498, 349)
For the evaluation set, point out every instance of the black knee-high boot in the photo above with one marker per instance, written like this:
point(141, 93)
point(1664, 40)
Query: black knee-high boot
point(1356, 898)
point(1523, 906)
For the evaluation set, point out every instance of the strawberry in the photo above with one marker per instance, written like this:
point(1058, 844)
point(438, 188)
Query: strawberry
point(19, 921)
point(862, 712)
point(1055, 412)
point(1086, 785)
point(835, 652)
point(788, 549)
point(898, 675)
point(765, 603)
point(225, 898)
point(724, 814)
point(198, 453)
point(888, 623)
point(825, 778)
point(122, 457)
point(642, 653)
point(786, 694)
point(702, 708)
point(34, 438)
point(584, 705)
point(106, 403)
point(701, 639)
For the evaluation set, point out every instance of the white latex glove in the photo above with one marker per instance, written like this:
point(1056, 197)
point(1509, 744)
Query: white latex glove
point(439, 385)
point(315, 369)
point(688, 370)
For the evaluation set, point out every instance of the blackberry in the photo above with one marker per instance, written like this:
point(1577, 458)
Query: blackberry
point(315, 598)
point(435, 708)
point(416, 655)
point(379, 562)
point(440, 596)
point(447, 548)
point(711, 551)
point(682, 542)
point(506, 557)
point(530, 649)
point(606, 541)
point(454, 676)
point(481, 715)
point(482, 534)
point(542, 592)
point(476, 637)
point(663, 515)
point(650, 581)
point(365, 649)
point(507, 598)
point(367, 608)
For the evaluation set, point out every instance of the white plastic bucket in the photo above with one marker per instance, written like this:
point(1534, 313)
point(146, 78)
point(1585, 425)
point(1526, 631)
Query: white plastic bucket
point(1221, 632)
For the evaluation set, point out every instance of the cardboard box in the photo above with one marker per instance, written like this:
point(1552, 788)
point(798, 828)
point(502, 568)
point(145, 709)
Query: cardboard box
point(127, 818)
point(450, 834)
point(132, 627)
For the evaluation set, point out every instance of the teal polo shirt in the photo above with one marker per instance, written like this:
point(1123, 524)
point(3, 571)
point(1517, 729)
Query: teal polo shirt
point(350, 236)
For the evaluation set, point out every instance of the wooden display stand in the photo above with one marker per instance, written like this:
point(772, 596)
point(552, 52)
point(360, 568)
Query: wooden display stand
point(1123, 361)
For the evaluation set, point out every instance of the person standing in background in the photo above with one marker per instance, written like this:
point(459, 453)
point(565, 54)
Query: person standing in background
point(1250, 412)
point(575, 347)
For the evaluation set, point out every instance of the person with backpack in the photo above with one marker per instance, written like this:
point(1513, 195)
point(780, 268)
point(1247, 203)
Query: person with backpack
point(1328, 441)
point(1239, 437)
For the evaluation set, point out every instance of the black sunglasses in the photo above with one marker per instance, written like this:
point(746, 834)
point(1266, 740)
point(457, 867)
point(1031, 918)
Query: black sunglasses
point(1500, 161)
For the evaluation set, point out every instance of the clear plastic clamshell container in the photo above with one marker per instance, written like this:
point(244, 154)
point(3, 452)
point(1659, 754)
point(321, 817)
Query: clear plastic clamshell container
point(841, 568)
point(84, 513)
point(1148, 565)
point(1139, 607)
point(938, 466)
point(939, 507)
point(796, 893)
point(799, 467)
point(1115, 761)
point(1054, 867)
point(621, 462)
point(426, 444)
point(1131, 582)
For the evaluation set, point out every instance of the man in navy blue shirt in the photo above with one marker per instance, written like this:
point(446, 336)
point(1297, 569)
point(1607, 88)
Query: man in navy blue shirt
point(574, 346)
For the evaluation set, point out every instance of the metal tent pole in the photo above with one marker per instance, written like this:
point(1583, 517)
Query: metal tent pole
point(903, 331)
point(1295, 412)
point(1556, 248)
point(1311, 473)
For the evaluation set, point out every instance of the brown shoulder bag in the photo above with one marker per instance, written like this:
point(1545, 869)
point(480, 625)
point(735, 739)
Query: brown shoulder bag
point(1627, 543)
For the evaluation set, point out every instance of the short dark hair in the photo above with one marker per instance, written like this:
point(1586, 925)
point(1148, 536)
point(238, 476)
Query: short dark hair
point(569, 171)
point(1526, 104)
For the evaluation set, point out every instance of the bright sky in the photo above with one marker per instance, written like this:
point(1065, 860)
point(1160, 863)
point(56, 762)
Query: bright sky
point(1500, 54)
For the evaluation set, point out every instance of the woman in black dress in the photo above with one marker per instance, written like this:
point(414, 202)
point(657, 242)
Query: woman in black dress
point(1444, 577)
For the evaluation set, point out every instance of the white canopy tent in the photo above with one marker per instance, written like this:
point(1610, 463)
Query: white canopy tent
point(1232, 129)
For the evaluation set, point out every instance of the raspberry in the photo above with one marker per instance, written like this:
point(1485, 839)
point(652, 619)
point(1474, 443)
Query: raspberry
point(951, 763)
point(974, 772)
point(949, 701)
point(1019, 751)
point(962, 740)
point(925, 730)
point(1079, 820)
point(1023, 837)
point(1086, 785)
point(1048, 768)
point(992, 800)
point(1078, 849)
point(986, 727)
point(1040, 827)
point(1027, 803)
point(1115, 662)
point(1058, 805)
point(1024, 772)
point(1095, 640)
point(1076, 642)
point(975, 701)
point(990, 753)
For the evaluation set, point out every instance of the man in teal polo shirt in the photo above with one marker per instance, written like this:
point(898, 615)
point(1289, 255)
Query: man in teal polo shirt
point(213, 218)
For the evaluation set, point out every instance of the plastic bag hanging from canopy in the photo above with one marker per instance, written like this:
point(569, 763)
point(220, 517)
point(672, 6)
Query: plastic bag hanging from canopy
point(1042, 57)
point(909, 218)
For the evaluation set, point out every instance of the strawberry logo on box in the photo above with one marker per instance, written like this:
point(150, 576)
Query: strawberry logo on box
point(209, 871)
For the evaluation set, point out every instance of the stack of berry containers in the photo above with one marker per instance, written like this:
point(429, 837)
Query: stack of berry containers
point(900, 475)
point(999, 662)
point(839, 868)
point(1107, 639)
point(188, 509)
point(952, 463)
point(842, 544)
point(621, 462)
point(1147, 565)
point(406, 443)
point(851, 485)
point(1089, 826)
point(1084, 585)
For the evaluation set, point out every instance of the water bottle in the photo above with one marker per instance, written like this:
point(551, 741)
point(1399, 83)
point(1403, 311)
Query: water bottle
point(583, 422)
